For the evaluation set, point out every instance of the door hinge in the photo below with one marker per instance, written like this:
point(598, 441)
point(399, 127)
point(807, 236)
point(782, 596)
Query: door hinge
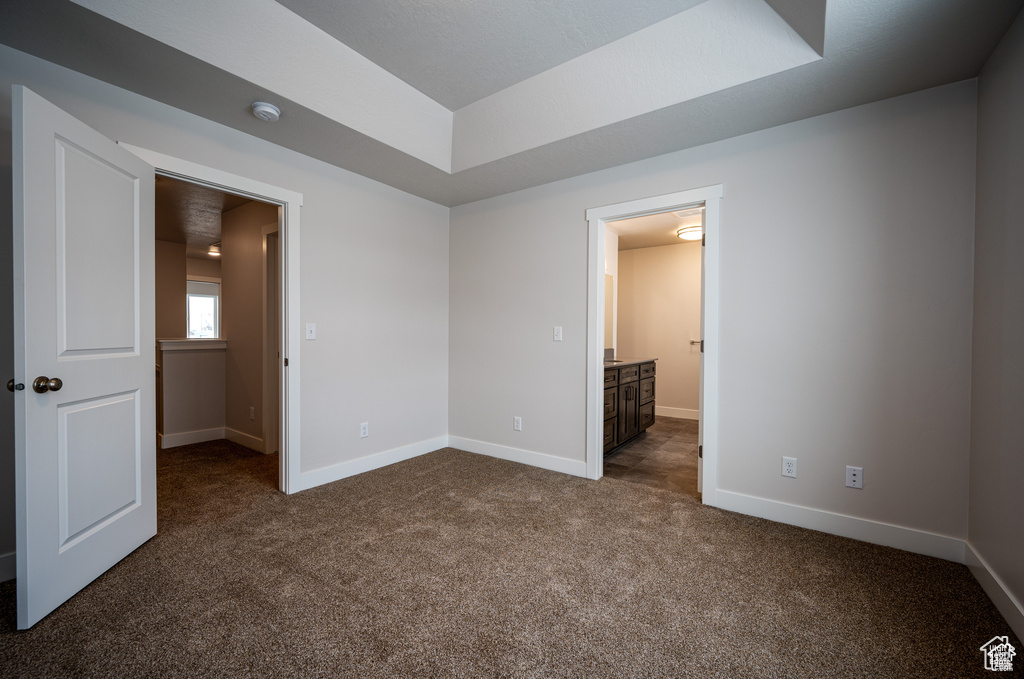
point(700, 451)
point(704, 239)
point(702, 346)
point(286, 362)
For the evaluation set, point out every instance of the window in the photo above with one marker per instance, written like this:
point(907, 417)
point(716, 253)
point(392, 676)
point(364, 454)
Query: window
point(203, 309)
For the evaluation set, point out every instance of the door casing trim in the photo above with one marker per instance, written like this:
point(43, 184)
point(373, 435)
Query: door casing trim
point(290, 203)
point(597, 217)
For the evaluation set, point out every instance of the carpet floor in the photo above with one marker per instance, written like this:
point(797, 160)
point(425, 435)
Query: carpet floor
point(458, 565)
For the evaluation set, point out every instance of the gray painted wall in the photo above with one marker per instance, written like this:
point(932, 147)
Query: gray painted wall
point(846, 277)
point(374, 273)
point(996, 531)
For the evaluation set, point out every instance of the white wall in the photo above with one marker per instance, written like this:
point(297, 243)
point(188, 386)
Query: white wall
point(171, 312)
point(241, 296)
point(374, 270)
point(202, 266)
point(191, 394)
point(659, 312)
point(996, 531)
point(846, 275)
point(611, 268)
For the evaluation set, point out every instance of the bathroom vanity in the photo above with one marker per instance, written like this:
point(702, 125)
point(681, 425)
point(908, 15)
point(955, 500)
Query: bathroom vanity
point(629, 389)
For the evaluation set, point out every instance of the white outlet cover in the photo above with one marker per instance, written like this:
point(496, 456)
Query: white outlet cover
point(855, 477)
point(789, 467)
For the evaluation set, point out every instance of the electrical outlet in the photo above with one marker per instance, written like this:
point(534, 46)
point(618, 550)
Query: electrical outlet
point(558, 333)
point(789, 466)
point(517, 423)
point(364, 430)
point(855, 477)
point(252, 412)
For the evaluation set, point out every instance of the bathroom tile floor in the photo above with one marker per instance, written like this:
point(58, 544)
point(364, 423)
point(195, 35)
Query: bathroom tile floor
point(663, 457)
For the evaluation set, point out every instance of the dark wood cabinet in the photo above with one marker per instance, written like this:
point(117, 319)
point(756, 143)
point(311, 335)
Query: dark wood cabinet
point(628, 402)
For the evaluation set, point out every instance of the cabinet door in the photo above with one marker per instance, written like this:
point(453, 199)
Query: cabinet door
point(610, 439)
point(646, 415)
point(629, 424)
point(647, 390)
point(611, 402)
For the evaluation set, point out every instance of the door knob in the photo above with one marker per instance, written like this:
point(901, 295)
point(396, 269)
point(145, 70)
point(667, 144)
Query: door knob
point(43, 384)
point(12, 386)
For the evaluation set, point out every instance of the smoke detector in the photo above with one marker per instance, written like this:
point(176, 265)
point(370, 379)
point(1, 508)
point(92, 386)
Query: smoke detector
point(265, 111)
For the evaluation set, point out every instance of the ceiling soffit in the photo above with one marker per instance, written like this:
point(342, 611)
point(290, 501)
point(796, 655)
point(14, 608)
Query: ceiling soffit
point(297, 61)
point(876, 49)
point(712, 46)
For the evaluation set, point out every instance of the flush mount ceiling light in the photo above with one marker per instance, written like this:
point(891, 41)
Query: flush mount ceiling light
point(215, 250)
point(265, 111)
point(691, 232)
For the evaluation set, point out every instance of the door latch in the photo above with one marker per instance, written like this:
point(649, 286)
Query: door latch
point(43, 384)
point(14, 386)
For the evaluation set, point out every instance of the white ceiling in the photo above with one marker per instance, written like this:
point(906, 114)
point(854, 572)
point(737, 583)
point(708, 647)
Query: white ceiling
point(457, 53)
point(655, 230)
point(456, 101)
point(191, 213)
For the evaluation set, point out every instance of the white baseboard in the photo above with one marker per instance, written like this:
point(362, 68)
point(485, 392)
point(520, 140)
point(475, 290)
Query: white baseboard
point(242, 439)
point(542, 460)
point(909, 539)
point(676, 413)
point(335, 472)
point(8, 566)
point(186, 437)
point(1004, 600)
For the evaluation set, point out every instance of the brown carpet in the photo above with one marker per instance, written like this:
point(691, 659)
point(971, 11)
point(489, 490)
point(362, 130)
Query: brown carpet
point(457, 565)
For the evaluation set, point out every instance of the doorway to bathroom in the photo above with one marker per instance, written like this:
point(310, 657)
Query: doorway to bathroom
point(700, 205)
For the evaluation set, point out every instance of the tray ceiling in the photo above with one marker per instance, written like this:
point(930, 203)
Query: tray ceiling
point(459, 101)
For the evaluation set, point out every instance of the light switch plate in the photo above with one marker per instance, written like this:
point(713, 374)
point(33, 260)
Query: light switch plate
point(311, 331)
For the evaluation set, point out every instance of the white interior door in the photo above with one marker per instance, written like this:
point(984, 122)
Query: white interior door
point(85, 461)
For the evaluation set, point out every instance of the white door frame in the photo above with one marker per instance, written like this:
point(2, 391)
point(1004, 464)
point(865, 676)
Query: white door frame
point(596, 219)
point(288, 274)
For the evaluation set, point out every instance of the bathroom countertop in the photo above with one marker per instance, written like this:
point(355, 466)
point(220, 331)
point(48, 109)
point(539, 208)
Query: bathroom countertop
point(622, 362)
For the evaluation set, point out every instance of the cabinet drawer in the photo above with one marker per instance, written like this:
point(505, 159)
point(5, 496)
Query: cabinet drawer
point(611, 377)
point(611, 402)
point(646, 415)
point(646, 390)
point(647, 370)
point(609, 433)
point(629, 374)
